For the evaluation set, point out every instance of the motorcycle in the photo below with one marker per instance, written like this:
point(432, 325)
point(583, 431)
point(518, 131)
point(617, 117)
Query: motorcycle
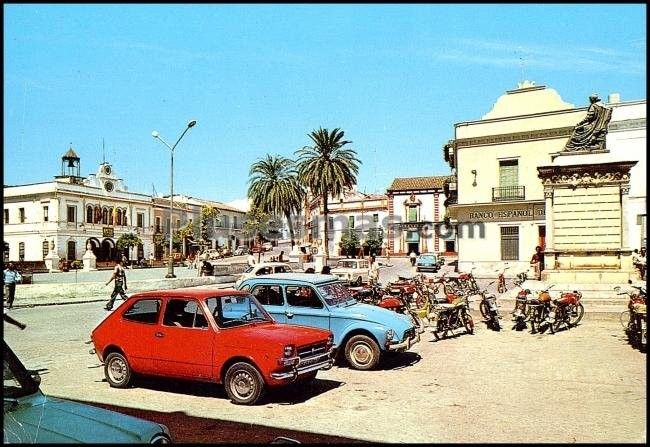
point(395, 301)
point(501, 285)
point(634, 319)
point(521, 312)
point(538, 310)
point(568, 310)
point(489, 309)
point(450, 316)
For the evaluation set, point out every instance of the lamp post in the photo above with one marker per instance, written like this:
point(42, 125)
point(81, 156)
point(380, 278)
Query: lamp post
point(155, 134)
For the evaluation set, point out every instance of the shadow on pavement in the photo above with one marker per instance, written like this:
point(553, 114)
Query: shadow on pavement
point(187, 429)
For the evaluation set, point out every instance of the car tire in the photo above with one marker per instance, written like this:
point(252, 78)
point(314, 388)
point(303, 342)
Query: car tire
point(243, 383)
point(117, 370)
point(362, 352)
point(358, 282)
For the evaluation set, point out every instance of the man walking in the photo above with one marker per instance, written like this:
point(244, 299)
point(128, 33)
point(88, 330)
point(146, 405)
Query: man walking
point(11, 277)
point(120, 285)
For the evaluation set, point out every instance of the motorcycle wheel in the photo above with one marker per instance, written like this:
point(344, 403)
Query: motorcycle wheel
point(560, 318)
point(485, 312)
point(442, 328)
point(625, 319)
point(575, 314)
point(643, 341)
point(495, 322)
point(468, 322)
point(555, 323)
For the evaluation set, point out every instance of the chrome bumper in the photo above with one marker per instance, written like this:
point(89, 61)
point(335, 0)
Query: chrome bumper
point(406, 344)
point(322, 361)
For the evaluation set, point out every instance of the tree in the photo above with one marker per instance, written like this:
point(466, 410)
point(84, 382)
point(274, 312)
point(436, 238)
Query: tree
point(274, 188)
point(327, 168)
point(374, 241)
point(209, 215)
point(257, 223)
point(350, 242)
point(128, 240)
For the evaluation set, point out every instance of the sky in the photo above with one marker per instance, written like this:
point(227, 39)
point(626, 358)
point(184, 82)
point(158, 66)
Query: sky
point(259, 78)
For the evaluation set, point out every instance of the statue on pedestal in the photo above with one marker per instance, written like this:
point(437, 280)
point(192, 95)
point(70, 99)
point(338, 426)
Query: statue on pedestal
point(589, 133)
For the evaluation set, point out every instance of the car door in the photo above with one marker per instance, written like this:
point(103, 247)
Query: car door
point(184, 340)
point(305, 307)
point(136, 336)
point(271, 297)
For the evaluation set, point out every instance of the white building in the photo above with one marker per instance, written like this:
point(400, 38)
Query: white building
point(364, 213)
point(416, 208)
point(71, 212)
point(518, 188)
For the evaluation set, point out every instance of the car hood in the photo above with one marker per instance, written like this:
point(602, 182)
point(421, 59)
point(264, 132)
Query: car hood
point(373, 314)
point(282, 334)
point(40, 418)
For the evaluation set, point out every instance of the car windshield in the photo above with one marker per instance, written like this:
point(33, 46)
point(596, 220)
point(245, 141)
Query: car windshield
point(17, 381)
point(249, 269)
point(336, 293)
point(235, 310)
point(427, 258)
point(347, 264)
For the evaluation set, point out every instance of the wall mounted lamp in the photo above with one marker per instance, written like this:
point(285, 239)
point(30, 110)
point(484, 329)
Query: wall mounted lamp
point(474, 172)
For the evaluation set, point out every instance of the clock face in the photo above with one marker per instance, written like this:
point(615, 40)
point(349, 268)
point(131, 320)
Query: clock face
point(108, 186)
point(107, 169)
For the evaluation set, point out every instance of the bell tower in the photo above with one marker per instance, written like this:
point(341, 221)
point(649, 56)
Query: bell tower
point(70, 166)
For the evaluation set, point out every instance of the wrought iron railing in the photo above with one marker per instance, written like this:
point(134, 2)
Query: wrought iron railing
point(504, 193)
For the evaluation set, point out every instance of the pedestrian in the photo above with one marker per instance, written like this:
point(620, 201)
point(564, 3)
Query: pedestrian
point(310, 270)
point(373, 271)
point(125, 261)
point(326, 270)
point(537, 261)
point(151, 259)
point(250, 259)
point(639, 261)
point(11, 278)
point(281, 256)
point(207, 269)
point(413, 256)
point(190, 262)
point(119, 276)
point(388, 256)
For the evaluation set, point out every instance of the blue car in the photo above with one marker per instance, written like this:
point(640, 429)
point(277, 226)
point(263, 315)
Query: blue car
point(427, 261)
point(362, 332)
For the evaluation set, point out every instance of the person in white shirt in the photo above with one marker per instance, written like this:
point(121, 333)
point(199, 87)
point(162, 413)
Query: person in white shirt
point(373, 270)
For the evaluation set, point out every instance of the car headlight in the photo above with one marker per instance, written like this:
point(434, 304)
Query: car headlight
point(289, 356)
point(390, 334)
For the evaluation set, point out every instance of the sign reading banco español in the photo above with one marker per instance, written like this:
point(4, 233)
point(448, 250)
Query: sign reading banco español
point(501, 212)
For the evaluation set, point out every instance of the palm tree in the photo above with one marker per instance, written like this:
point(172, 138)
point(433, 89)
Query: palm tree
point(327, 168)
point(274, 188)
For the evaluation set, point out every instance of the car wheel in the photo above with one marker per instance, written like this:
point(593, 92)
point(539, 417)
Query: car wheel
point(358, 282)
point(362, 352)
point(117, 370)
point(243, 383)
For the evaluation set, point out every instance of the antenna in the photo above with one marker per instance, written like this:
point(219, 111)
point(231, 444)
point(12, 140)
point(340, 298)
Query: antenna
point(153, 188)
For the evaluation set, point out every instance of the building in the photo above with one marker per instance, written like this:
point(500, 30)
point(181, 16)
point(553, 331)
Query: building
point(519, 186)
point(63, 217)
point(67, 214)
point(365, 214)
point(416, 209)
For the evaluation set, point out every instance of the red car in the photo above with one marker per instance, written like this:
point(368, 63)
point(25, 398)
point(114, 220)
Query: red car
point(220, 336)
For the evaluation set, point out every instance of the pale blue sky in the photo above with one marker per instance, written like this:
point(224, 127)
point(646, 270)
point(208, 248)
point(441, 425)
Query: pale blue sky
point(259, 78)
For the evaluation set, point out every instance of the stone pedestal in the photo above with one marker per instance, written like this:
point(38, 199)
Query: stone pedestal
point(90, 261)
point(52, 262)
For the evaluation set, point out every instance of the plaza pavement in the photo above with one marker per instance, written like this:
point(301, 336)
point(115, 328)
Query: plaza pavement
point(78, 286)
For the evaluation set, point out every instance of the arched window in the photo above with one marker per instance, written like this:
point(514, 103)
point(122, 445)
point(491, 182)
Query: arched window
point(89, 214)
point(118, 220)
point(124, 218)
point(98, 214)
point(105, 216)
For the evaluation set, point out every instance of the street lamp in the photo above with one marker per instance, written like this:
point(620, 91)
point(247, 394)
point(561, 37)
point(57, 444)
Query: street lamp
point(155, 134)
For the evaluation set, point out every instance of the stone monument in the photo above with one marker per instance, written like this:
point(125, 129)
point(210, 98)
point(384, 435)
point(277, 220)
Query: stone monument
point(52, 259)
point(89, 259)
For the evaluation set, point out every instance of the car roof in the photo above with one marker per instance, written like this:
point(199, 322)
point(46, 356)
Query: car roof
point(270, 264)
point(428, 254)
point(193, 292)
point(313, 278)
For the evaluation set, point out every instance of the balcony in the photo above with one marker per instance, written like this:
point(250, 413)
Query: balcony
point(507, 193)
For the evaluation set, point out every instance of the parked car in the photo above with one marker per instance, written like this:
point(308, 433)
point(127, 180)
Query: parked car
point(352, 271)
point(240, 250)
point(264, 268)
point(220, 336)
point(427, 262)
point(267, 246)
point(32, 417)
point(362, 332)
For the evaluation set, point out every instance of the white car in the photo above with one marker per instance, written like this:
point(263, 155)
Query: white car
point(264, 268)
point(352, 271)
point(267, 246)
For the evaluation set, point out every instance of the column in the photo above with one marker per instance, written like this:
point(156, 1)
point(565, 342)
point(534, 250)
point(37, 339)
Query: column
point(625, 190)
point(549, 261)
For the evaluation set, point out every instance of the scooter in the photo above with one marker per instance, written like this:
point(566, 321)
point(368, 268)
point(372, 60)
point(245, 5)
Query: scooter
point(634, 319)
